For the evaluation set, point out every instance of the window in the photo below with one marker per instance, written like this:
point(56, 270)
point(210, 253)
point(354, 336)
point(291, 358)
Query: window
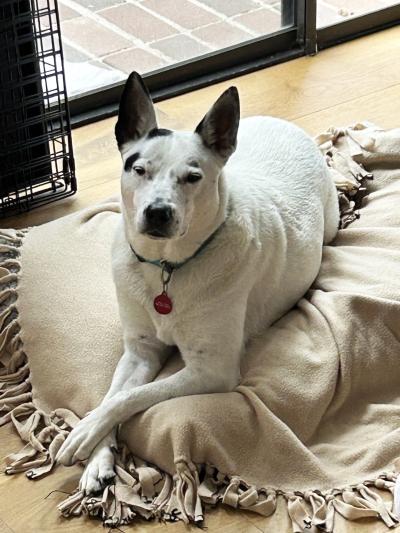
point(180, 45)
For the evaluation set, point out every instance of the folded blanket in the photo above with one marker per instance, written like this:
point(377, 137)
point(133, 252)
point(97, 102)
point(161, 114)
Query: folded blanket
point(315, 420)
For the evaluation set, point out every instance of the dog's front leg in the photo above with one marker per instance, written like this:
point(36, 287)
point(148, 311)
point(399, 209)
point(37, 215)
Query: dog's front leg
point(202, 374)
point(142, 360)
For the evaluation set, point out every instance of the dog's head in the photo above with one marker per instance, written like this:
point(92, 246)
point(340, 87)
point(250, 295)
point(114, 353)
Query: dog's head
point(169, 178)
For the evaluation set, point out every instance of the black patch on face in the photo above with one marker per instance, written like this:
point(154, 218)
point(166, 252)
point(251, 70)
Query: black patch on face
point(194, 164)
point(130, 160)
point(158, 132)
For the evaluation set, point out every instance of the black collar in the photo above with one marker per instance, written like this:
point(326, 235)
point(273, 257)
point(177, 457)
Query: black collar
point(169, 266)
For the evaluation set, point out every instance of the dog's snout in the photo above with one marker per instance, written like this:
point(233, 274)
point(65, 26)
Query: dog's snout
point(159, 219)
point(158, 215)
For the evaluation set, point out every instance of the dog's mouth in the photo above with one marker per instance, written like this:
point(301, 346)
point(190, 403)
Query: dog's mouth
point(161, 232)
point(157, 234)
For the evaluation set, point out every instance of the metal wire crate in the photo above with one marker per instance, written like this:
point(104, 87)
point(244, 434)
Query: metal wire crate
point(36, 156)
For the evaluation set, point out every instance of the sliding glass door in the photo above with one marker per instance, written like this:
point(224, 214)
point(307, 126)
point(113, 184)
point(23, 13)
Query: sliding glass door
point(179, 45)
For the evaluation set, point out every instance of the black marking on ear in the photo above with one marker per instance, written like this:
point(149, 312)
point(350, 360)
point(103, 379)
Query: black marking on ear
point(158, 132)
point(130, 160)
point(218, 128)
point(199, 129)
point(136, 115)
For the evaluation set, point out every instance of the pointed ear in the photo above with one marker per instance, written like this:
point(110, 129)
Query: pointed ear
point(219, 127)
point(136, 115)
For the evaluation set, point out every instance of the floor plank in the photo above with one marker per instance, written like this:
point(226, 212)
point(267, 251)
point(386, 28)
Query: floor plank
point(379, 108)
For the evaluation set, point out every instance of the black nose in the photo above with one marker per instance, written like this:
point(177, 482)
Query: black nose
point(158, 215)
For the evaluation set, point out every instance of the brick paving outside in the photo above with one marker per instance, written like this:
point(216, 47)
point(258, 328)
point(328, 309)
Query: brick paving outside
point(104, 40)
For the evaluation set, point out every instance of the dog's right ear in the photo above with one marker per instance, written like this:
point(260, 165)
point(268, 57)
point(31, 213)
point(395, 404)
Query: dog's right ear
point(136, 115)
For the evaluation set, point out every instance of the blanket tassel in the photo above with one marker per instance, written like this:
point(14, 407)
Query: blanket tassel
point(15, 387)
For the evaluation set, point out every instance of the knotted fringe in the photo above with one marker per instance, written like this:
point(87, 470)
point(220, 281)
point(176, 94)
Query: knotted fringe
point(42, 433)
point(314, 511)
point(140, 489)
point(346, 170)
point(145, 491)
point(15, 387)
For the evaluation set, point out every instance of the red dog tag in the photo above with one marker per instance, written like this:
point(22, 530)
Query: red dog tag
point(163, 304)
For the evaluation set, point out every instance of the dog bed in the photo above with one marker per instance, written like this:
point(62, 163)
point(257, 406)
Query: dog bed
point(315, 420)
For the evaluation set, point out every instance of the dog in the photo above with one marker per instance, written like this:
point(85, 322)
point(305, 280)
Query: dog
point(221, 234)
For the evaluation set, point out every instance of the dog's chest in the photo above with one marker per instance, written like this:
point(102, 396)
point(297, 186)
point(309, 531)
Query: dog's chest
point(177, 292)
point(192, 291)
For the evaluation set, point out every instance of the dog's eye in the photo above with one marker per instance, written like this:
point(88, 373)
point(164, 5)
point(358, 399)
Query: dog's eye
point(193, 177)
point(139, 170)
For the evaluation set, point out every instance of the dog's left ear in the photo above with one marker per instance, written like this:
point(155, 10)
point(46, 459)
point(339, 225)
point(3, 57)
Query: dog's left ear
point(136, 115)
point(219, 127)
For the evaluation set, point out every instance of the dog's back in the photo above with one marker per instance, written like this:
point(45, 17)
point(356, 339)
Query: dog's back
point(281, 191)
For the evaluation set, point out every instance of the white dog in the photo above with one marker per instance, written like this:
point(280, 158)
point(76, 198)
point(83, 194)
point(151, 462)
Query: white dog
point(214, 245)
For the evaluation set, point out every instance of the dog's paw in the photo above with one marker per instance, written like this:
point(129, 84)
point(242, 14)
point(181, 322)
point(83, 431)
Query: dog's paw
point(99, 470)
point(83, 439)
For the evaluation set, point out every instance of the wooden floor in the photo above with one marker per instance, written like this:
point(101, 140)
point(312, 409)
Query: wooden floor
point(353, 82)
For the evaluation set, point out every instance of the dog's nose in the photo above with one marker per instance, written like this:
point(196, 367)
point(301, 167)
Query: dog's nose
point(158, 215)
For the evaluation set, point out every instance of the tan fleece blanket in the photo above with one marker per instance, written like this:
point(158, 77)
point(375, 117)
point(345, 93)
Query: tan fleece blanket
point(315, 420)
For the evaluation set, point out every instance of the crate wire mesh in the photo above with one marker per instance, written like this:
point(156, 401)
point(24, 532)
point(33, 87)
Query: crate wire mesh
point(36, 156)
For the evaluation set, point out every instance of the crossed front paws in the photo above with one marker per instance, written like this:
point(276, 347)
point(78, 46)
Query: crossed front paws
point(82, 440)
point(99, 470)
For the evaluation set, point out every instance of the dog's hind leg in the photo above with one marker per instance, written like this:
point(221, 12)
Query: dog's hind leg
point(99, 470)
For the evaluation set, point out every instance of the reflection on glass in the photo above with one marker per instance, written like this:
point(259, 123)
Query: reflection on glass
point(333, 11)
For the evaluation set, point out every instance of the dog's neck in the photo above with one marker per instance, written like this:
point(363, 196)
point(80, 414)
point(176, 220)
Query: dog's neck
point(181, 249)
